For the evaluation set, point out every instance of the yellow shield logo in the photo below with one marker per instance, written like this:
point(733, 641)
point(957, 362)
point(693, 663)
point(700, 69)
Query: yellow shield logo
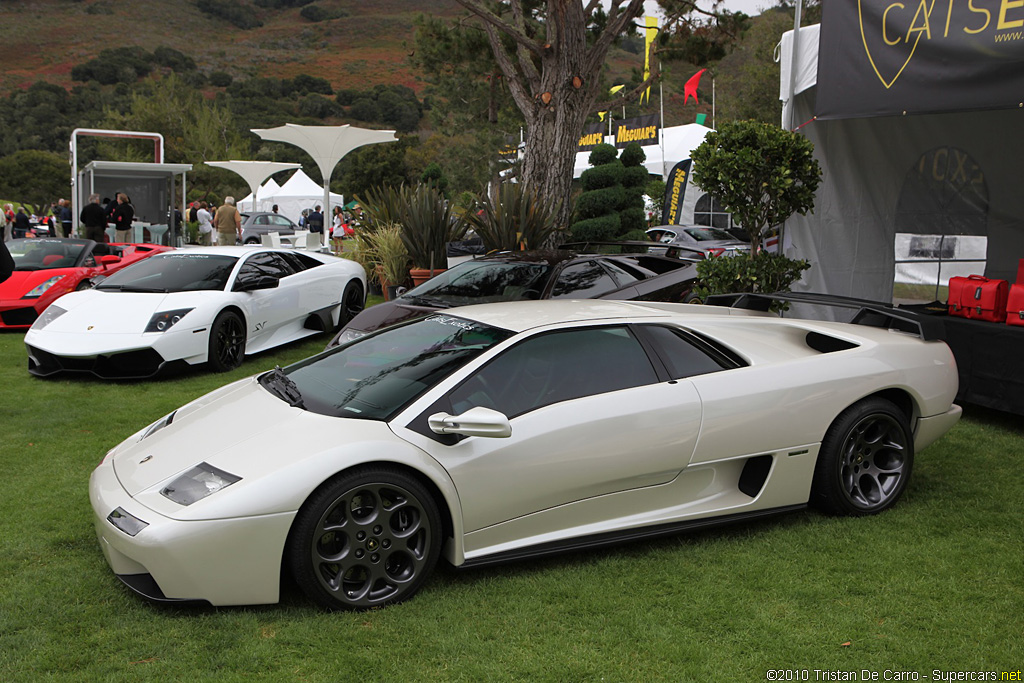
point(899, 32)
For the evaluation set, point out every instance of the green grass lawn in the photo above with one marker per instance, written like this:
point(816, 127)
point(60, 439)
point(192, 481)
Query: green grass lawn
point(936, 583)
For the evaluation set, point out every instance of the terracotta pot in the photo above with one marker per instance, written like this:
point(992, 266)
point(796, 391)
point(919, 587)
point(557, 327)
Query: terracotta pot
point(385, 287)
point(421, 275)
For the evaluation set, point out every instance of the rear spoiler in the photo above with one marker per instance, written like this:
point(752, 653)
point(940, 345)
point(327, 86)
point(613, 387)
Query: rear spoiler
point(639, 246)
point(870, 313)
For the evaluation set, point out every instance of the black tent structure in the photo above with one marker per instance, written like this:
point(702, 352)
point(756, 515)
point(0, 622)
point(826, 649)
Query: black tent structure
point(917, 117)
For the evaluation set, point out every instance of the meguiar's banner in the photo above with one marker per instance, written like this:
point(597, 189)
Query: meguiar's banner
point(675, 188)
point(641, 129)
point(896, 57)
point(593, 135)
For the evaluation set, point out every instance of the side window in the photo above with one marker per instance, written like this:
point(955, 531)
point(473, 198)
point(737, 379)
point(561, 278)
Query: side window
point(268, 263)
point(554, 367)
point(280, 221)
point(681, 355)
point(621, 275)
point(260, 220)
point(583, 281)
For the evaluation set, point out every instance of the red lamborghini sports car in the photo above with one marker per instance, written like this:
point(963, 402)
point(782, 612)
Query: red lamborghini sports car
point(47, 269)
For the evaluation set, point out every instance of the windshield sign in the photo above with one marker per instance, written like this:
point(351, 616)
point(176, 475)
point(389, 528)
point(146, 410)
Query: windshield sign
point(373, 377)
point(174, 272)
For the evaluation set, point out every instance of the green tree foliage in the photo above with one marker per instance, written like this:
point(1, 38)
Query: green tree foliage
point(43, 116)
point(115, 65)
point(759, 173)
point(597, 209)
point(395, 106)
point(374, 166)
point(433, 176)
point(754, 272)
point(35, 178)
point(232, 11)
point(175, 60)
point(281, 4)
point(317, 13)
point(747, 79)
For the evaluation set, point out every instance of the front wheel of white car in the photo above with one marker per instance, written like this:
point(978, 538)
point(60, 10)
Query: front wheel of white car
point(227, 342)
point(365, 539)
point(865, 460)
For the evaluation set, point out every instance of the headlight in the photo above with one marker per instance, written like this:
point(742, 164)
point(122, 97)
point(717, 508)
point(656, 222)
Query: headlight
point(40, 289)
point(348, 334)
point(198, 483)
point(158, 425)
point(161, 322)
point(51, 313)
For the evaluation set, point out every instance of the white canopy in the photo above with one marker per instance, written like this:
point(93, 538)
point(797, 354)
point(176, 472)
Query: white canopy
point(680, 141)
point(266, 191)
point(254, 172)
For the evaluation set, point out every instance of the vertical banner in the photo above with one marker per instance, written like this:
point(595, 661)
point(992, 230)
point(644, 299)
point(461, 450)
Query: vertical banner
point(675, 187)
point(650, 33)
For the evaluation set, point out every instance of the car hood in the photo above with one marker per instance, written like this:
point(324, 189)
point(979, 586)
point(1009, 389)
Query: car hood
point(112, 312)
point(245, 430)
point(22, 281)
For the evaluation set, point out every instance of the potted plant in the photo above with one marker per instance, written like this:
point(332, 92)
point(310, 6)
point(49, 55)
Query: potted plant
point(519, 219)
point(429, 223)
point(390, 257)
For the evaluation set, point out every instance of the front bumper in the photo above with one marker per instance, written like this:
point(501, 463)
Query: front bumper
point(222, 562)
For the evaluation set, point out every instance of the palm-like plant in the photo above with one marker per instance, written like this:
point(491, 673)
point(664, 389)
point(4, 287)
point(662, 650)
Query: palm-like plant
point(520, 219)
point(429, 223)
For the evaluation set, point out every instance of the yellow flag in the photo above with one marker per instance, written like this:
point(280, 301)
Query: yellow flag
point(611, 91)
point(650, 34)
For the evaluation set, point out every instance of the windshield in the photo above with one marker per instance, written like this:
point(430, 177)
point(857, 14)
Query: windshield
point(375, 376)
point(707, 234)
point(479, 282)
point(45, 254)
point(174, 272)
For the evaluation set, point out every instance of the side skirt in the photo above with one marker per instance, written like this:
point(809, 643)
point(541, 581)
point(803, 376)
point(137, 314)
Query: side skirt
point(625, 536)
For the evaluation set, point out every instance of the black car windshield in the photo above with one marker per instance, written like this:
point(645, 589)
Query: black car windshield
point(707, 234)
point(375, 376)
point(46, 254)
point(183, 271)
point(481, 282)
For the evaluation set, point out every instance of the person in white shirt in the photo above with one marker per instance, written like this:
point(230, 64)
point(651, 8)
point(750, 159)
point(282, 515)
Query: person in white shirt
point(205, 224)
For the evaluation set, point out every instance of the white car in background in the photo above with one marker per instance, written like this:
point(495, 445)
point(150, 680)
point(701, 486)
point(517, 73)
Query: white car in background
point(211, 305)
point(505, 431)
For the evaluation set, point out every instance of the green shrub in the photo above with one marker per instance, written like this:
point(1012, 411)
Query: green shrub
point(520, 219)
point(761, 271)
point(600, 229)
point(231, 11)
point(597, 202)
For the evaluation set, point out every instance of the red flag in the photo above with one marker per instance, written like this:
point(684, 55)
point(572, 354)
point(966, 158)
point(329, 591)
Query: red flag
point(691, 87)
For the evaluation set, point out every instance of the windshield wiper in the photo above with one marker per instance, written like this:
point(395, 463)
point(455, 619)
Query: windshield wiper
point(285, 388)
point(427, 301)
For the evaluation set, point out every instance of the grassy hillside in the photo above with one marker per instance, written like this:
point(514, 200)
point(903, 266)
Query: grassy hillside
point(44, 39)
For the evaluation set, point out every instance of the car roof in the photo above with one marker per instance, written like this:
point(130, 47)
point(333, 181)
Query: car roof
point(237, 250)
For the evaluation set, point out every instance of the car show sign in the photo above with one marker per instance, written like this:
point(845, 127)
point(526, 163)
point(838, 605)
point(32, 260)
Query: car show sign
point(675, 188)
point(641, 129)
point(885, 57)
point(593, 135)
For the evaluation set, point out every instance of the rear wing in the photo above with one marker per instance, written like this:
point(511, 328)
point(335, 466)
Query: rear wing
point(678, 251)
point(870, 313)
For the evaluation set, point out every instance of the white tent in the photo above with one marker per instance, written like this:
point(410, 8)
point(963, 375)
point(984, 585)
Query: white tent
point(263, 203)
point(298, 193)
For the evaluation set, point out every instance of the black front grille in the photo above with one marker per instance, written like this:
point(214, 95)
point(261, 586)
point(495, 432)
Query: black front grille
point(19, 316)
point(128, 365)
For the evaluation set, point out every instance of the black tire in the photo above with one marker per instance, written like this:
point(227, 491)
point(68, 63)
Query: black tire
point(227, 342)
point(252, 240)
point(865, 461)
point(367, 538)
point(352, 303)
point(83, 285)
point(692, 298)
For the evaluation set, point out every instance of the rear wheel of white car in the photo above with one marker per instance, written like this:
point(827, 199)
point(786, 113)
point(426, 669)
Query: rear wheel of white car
point(352, 303)
point(865, 461)
point(227, 342)
point(365, 539)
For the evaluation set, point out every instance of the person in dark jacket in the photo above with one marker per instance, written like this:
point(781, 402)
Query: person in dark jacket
point(94, 219)
point(21, 223)
point(123, 216)
point(64, 216)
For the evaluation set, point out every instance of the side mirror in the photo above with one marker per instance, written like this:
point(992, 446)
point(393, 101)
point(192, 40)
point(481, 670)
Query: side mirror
point(477, 421)
point(109, 260)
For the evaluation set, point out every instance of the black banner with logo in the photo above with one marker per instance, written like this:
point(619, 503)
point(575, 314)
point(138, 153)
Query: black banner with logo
point(675, 188)
point(886, 57)
point(641, 129)
point(593, 135)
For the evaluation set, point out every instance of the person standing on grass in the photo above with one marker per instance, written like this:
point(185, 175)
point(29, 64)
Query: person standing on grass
point(228, 222)
point(65, 217)
point(315, 223)
point(94, 219)
point(205, 219)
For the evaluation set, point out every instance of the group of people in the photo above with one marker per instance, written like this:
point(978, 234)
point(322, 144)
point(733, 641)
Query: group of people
point(343, 225)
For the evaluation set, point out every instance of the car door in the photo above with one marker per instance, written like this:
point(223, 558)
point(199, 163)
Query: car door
point(589, 417)
point(268, 309)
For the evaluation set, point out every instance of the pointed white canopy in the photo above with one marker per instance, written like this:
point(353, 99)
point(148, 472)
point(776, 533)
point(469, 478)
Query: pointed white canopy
point(254, 172)
point(266, 193)
point(326, 144)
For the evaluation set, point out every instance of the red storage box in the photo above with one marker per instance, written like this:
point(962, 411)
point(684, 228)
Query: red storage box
point(978, 298)
point(1015, 300)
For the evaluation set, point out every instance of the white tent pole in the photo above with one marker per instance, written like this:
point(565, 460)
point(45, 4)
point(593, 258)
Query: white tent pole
point(788, 124)
point(661, 132)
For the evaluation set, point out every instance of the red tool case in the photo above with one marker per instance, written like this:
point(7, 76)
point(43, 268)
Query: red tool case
point(978, 298)
point(1015, 299)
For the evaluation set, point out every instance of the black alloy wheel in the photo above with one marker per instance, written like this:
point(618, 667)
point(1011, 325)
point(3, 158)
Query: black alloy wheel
point(366, 538)
point(865, 460)
point(352, 303)
point(227, 342)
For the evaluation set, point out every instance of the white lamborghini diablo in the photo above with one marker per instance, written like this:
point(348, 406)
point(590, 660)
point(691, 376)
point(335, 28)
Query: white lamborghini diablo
point(193, 306)
point(505, 431)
